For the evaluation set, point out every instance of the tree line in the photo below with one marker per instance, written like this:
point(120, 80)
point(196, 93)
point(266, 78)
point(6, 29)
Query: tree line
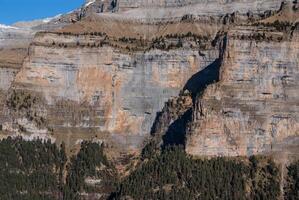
point(41, 170)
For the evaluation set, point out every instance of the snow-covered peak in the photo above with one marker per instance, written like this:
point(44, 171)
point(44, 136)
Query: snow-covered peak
point(2, 26)
point(89, 2)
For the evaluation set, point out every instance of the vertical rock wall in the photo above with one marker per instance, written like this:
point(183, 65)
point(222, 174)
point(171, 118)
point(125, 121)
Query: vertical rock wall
point(104, 88)
point(254, 107)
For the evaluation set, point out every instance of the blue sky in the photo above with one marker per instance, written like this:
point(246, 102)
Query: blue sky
point(12, 11)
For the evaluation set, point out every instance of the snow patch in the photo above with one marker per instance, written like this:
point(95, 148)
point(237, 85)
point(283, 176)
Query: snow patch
point(89, 3)
point(48, 19)
point(2, 26)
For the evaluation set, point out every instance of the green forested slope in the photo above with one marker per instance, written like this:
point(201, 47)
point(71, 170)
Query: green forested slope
point(41, 170)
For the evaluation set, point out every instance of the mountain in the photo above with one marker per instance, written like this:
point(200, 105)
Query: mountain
point(106, 70)
point(155, 85)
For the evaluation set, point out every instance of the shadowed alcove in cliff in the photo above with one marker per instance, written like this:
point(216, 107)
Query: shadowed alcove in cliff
point(175, 133)
point(199, 81)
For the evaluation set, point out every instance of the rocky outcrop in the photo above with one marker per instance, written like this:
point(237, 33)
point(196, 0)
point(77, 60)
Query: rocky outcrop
point(14, 44)
point(169, 127)
point(254, 108)
point(13, 49)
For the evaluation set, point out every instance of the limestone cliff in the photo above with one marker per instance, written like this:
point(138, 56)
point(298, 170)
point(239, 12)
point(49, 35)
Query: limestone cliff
point(89, 83)
point(13, 49)
point(254, 107)
point(228, 70)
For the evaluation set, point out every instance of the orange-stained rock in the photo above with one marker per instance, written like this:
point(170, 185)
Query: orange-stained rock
point(254, 108)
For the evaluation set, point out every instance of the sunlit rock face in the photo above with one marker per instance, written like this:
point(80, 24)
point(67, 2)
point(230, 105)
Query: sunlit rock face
point(254, 108)
point(13, 49)
point(105, 70)
point(171, 9)
point(205, 6)
point(123, 90)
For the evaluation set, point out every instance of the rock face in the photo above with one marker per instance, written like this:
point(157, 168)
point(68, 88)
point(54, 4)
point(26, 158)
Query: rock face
point(13, 49)
point(14, 44)
point(7, 76)
point(124, 90)
point(208, 6)
point(254, 106)
point(227, 71)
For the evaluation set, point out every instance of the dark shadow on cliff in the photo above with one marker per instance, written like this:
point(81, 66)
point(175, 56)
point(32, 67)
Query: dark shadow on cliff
point(199, 81)
point(157, 123)
point(175, 132)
